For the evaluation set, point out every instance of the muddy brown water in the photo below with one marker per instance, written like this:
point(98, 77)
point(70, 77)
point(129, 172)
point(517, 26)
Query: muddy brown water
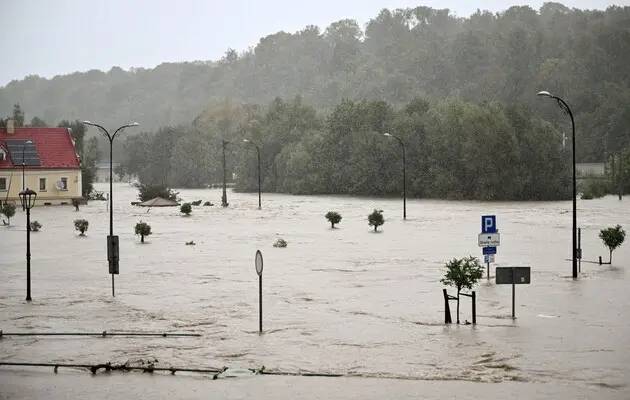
point(346, 300)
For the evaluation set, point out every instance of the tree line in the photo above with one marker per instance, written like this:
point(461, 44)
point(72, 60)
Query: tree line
point(398, 56)
point(453, 150)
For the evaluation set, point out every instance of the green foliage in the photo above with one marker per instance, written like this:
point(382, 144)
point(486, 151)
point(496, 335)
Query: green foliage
point(81, 225)
point(333, 217)
point(18, 115)
point(37, 122)
point(88, 157)
point(376, 219)
point(186, 208)
point(142, 229)
point(35, 226)
point(151, 191)
point(595, 189)
point(612, 238)
point(462, 274)
point(120, 171)
point(8, 209)
point(280, 243)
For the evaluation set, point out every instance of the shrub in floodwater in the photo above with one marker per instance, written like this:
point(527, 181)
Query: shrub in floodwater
point(376, 219)
point(81, 225)
point(207, 203)
point(143, 229)
point(36, 226)
point(196, 203)
point(462, 274)
point(280, 243)
point(612, 238)
point(151, 191)
point(8, 209)
point(333, 217)
point(186, 208)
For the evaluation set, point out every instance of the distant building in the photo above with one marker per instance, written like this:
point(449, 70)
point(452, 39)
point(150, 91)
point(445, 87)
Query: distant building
point(102, 172)
point(590, 169)
point(51, 164)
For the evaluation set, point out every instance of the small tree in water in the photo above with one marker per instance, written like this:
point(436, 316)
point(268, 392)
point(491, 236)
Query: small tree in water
point(186, 208)
point(36, 226)
point(462, 274)
point(143, 229)
point(612, 238)
point(376, 219)
point(8, 209)
point(333, 217)
point(81, 225)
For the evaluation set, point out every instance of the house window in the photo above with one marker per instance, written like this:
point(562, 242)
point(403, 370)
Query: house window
point(3, 184)
point(2, 155)
point(64, 183)
point(42, 184)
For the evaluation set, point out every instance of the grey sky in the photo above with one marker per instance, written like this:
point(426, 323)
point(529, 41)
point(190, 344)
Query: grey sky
point(51, 37)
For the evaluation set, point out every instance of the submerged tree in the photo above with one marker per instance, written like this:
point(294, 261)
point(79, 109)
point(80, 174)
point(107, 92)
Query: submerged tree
point(612, 238)
point(8, 209)
point(186, 208)
point(462, 274)
point(333, 217)
point(36, 226)
point(376, 219)
point(143, 229)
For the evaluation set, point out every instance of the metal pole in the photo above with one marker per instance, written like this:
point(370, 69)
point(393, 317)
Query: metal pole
point(23, 173)
point(474, 307)
point(513, 292)
point(224, 202)
point(259, 186)
point(260, 304)
point(111, 197)
point(620, 176)
point(404, 181)
point(488, 270)
point(580, 247)
point(28, 251)
point(575, 266)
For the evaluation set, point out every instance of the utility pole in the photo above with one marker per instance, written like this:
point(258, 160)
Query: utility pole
point(224, 202)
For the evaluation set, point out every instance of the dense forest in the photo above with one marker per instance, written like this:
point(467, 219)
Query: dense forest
point(460, 92)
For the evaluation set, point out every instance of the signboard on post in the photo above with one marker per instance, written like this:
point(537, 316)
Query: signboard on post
point(513, 276)
point(113, 254)
point(259, 263)
point(259, 270)
point(489, 224)
point(488, 258)
point(489, 239)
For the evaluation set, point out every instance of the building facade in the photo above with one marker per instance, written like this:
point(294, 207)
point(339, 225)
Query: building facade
point(41, 159)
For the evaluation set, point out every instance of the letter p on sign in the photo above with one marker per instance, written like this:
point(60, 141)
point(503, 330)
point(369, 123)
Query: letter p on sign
point(488, 224)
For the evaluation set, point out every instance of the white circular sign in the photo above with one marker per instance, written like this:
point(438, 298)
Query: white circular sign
point(259, 262)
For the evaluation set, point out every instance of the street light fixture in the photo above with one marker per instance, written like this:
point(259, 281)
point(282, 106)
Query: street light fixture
point(27, 198)
point(258, 152)
point(404, 173)
point(112, 241)
point(23, 166)
point(565, 108)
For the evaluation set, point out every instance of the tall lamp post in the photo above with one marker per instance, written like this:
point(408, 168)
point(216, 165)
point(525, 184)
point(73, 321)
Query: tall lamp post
point(565, 107)
point(258, 152)
point(27, 198)
point(224, 202)
point(404, 173)
point(112, 241)
point(23, 167)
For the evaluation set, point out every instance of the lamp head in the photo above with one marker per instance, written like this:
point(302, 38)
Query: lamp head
point(87, 122)
point(544, 93)
point(386, 134)
point(27, 198)
point(245, 140)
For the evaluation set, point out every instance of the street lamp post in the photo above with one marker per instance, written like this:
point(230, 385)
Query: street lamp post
point(23, 167)
point(112, 242)
point(27, 198)
point(404, 173)
point(258, 152)
point(565, 107)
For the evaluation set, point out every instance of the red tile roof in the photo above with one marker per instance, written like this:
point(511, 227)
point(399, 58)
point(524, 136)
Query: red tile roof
point(54, 145)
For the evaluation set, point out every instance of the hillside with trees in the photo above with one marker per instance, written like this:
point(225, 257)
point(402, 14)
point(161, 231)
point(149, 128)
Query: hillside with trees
point(460, 91)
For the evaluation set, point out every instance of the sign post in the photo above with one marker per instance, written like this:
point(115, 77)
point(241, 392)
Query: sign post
point(489, 239)
point(113, 255)
point(259, 270)
point(513, 276)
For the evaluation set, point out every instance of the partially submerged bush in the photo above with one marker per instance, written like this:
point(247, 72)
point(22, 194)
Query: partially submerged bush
point(462, 274)
point(8, 209)
point(280, 243)
point(196, 203)
point(612, 238)
point(333, 217)
point(36, 226)
point(81, 225)
point(186, 208)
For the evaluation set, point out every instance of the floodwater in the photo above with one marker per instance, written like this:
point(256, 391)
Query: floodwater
point(347, 300)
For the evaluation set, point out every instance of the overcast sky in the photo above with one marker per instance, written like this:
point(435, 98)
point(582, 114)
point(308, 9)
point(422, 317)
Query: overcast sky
point(52, 37)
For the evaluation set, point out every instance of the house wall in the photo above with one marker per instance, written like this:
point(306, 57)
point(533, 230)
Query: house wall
point(50, 194)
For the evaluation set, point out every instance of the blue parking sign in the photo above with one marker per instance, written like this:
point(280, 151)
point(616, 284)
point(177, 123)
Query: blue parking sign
point(489, 224)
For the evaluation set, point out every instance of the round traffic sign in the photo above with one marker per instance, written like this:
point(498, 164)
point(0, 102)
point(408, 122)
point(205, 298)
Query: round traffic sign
point(259, 262)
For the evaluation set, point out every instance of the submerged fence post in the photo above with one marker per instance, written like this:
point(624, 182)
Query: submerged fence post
point(447, 309)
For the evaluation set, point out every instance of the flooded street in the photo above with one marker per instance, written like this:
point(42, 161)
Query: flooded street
point(346, 300)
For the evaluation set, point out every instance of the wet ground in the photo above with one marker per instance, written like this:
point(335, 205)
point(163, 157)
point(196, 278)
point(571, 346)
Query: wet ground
point(347, 300)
